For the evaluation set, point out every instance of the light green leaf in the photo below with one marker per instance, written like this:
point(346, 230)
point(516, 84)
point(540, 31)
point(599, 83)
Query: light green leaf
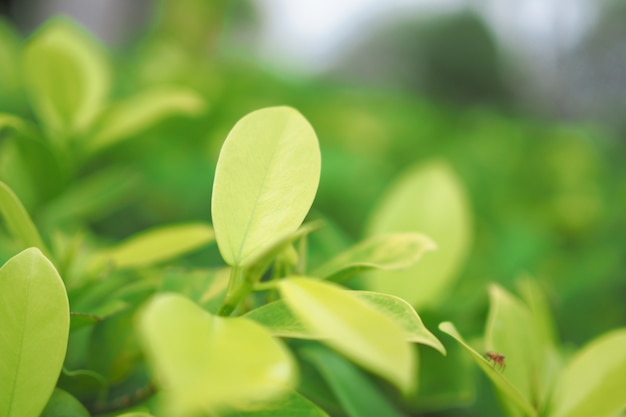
point(34, 313)
point(279, 319)
point(63, 404)
point(429, 199)
point(357, 395)
point(389, 252)
point(17, 219)
point(159, 244)
point(545, 338)
point(510, 332)
point(592, 383)
point(290, 405)
point(206, 362)
point(265, 181)
point(259, 263)
point(141, 111)
point(67, 77)
point(353, 327)
point(499, 379)
point(405, 315)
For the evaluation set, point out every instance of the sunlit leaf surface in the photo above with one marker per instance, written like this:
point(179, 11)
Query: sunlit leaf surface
point(34, 318)
point(206, 363)
point(499, 378)
point(429, 199)
point(593, 382)
point(353, 327)
point(265, 181)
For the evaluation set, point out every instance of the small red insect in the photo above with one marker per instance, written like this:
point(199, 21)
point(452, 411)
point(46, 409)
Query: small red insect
point(497, 359)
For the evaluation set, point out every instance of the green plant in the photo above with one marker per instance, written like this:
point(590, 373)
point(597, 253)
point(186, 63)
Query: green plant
point(540, 377)
point(283, 317)
point(205, 361)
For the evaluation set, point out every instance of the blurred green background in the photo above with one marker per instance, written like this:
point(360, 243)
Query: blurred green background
point(537, 137)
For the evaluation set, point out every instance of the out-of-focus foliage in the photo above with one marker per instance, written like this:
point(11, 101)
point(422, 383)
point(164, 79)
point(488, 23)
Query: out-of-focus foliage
point(545, 198)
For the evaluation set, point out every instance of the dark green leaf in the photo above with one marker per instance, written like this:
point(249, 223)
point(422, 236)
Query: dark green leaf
point(356, 393)
point(63, 404)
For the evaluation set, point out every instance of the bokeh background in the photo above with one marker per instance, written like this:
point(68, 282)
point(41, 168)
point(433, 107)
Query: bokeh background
point(525, 100)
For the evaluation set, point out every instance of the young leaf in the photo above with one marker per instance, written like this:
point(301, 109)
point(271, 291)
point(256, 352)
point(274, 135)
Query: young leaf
point(388, 252)
point(63, 404)
point(510, 332)
point(17, 219)
point(545, 335)
point(140, 112)
point(206, 362)
point(500, 381)
point(353, 327)
point(265, 181)
point(34, 313)
point(593, 382)
point(277, 317)
point(67, 77)
point(429, 199)
point(157, 245)
point(358, 396)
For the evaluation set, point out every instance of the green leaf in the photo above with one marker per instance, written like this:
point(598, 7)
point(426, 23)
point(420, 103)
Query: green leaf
point(63, 404)
point(353, 327)
point(499, 379)
point(405, 315)
point(206, 287)
point(17, 219)
point(91, 198)
point(510, 332)
point(206, 362)
point(23, 127)
point(134, 414)
point(357, 395)
point(157, 245)
point(389, 252)
point(279, 319)
point(258, 264)
point(592, 383)
point(141, 111)
point(290, 405)
point(80, 320)
point(265, 181)
point(67, 77)
point(10, 78)
point(113, 348)
point(429, 199)
point(34, 313)
point(545, 336)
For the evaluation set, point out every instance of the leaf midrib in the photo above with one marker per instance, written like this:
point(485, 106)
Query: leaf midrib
point(246, 232)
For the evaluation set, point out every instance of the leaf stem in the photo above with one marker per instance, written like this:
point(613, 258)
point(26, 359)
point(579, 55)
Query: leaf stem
point(238, 288)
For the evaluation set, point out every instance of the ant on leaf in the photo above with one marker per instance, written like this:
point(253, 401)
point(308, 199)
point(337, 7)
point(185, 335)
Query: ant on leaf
point(497, 359)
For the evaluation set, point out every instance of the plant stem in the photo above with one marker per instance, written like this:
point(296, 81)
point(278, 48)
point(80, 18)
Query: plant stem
point(238, 288)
